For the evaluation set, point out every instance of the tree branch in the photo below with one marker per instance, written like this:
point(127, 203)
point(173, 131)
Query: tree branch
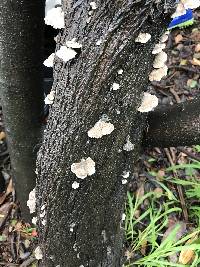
point(177, 125)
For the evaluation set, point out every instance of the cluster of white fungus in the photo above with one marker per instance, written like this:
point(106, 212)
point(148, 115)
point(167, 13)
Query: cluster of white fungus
point(143, 38)
point(66, 53)
point(100, 129)
point(160, 60)
point(50, 98)
point(84, 168)
point(49, 61)
point(184, 5)
point(31, 203)
point(149, 102)
point(158, 74)
point(55, 18)
point(160, 67)
point(34, 220)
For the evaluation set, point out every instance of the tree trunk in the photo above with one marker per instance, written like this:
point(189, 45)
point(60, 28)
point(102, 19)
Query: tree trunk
point(21, 27)
point(177, 125)
point(83, 227)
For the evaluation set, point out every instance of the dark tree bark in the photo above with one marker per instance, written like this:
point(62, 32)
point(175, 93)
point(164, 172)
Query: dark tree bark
point(177, 125)
point(21, 27)
point(83, 95)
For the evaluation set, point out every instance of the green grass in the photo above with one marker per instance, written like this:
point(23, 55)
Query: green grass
point(146, 229)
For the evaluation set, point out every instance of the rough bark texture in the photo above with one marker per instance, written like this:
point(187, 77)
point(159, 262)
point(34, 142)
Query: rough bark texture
point(21, 27)
point(177, 125)
point(83, 96)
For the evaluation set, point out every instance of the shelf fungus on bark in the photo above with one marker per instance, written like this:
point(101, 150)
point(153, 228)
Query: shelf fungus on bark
point(100, 129)
point(31, 203)
point(49, 61)
point(84, 168)
point(55, 18)
point(149, 102)
point(160, 60)
point(143, 38)
point(38, 253)
point(158, 74)
point(50, 98)
point(66, 53)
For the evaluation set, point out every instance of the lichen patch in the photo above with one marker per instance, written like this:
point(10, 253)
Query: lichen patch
point(158, 48)
point(100, 129)
point(128, 146)
point(143, 38)
point(149, 102)
point(38, 253)
point(84, 168)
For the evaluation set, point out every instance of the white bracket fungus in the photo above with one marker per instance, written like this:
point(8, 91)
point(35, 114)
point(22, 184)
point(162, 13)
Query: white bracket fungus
point(75, 185)
point(115, 86)
point(34, 220)
point(49, 61)
point(128, 146)
point(31, 203)
point(143, 38)
point(123, 217)
point(191, 4)
point(49, 4)
point(84, 168)
point(100, 129)
point(93, 5)
point(149, 102)
point(160, 60)
point(158, 48)
point(158, 74)
point(38, 253)
point(50, 98)
point(66, 53)
point(55, 18)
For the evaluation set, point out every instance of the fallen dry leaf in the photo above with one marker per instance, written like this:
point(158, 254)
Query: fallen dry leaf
point(195, 62)
point(178, 38)
point(197, 48)
point(186, 256)
point(8, 191)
